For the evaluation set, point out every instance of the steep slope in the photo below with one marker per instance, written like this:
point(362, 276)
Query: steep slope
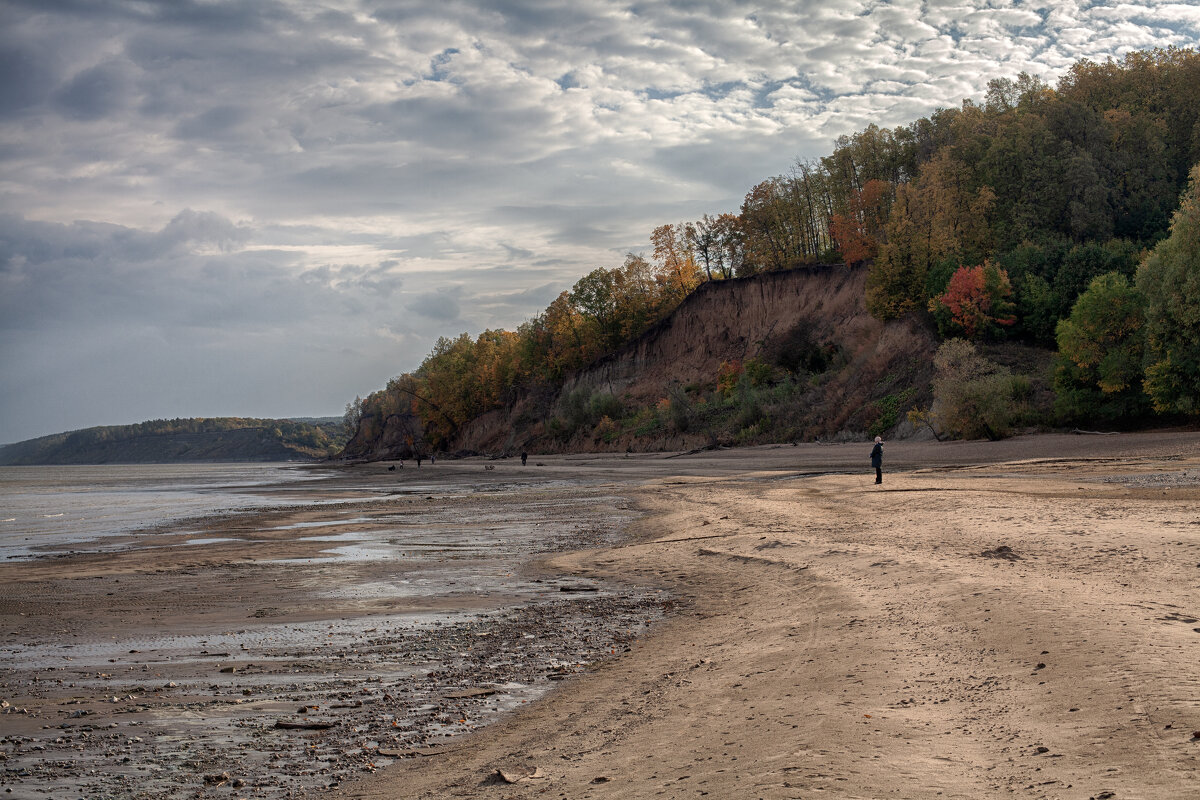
point(762, 316)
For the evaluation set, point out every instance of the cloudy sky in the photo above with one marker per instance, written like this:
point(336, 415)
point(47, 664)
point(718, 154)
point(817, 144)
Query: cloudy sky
point(266, 207)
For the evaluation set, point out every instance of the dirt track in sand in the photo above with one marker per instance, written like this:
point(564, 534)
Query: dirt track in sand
point(1017, 618)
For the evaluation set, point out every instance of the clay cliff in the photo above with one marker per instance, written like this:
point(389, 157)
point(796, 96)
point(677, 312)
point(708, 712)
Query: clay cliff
point(845, 371)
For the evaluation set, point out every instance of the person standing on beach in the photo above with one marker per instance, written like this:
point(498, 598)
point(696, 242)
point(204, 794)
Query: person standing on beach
point(877, 459)
point(524, 457)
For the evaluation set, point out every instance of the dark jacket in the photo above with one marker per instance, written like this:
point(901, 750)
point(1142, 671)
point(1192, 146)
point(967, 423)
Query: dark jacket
point(877, 456)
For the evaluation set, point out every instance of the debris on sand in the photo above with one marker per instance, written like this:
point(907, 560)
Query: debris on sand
point(1002, 552)
point(305, 726)
point(518, 774)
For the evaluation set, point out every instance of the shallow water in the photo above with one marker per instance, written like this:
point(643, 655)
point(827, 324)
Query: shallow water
point(152, 700)
point(59, 507)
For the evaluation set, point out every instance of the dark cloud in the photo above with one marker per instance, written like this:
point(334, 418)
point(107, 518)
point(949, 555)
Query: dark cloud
point(95, 92)
point(29, 75)
point(440, 306)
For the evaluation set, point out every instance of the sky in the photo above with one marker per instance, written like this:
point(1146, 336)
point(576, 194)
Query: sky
point(267, 207)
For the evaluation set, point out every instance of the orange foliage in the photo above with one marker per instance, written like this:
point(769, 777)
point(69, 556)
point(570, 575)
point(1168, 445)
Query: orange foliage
point(858, 231)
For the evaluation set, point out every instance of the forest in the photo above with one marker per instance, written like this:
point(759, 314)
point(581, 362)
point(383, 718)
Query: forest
point(1060, 218)
point(181, 440)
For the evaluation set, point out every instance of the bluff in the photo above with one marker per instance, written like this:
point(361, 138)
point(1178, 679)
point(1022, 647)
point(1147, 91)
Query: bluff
point(830, 370)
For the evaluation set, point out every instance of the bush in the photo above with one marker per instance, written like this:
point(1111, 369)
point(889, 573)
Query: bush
point(758, 372)
point(606, 405)
point(606, 430)
point(798, 351)
point(975, 397)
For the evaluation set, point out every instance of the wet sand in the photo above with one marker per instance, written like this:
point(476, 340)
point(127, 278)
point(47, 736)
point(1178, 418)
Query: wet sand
point(277, 652)
point(1017, 617)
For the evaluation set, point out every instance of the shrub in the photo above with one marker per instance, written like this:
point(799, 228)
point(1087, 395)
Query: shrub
point(607, 430)
point(758, 372)
point(728, 375)
point(798, 351)
point(975, 397)
point(606, 405)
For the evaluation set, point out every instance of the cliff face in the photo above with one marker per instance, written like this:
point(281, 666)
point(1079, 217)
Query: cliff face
point(736, 320)
point(724, 321)
point(377, 441)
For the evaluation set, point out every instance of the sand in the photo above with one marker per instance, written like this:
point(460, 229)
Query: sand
point(1009, 619)
point(1019, 617)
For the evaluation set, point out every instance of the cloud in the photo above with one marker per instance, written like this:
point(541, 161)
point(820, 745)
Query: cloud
point(366, 176)
point(440, 306)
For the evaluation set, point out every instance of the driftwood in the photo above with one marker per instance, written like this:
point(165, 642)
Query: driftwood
point(697, 450)
point(1078, 432)
point(463, 694)
point(518, 774)
point(305, 726)
point(423, 752)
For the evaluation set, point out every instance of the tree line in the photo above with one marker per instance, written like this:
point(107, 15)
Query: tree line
point(990, 220)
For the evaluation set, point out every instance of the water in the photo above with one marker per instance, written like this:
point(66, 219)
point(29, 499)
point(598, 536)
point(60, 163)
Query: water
point(56, 507)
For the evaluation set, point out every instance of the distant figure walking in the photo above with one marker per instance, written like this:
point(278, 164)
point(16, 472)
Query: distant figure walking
point(877, 459)
point(524, 457)
point(418, 461)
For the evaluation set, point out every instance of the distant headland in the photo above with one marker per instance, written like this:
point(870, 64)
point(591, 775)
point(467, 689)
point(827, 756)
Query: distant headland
point(166, 441)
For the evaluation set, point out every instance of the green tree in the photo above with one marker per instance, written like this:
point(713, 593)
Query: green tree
point(1100, 347)
point(1169, 279)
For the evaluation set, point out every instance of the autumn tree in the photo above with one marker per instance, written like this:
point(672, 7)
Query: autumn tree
point(858, 230)
point(675, 257)
point(940, 216)
point(977, 303)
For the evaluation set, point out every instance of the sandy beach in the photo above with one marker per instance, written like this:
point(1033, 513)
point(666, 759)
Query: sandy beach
point(1018, 617)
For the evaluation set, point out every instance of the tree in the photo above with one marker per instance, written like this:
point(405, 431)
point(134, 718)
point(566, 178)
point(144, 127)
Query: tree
point(977, 303)
point(1100, 346)
point(1169, 279)
point(939, 216)
point(353, 415)
point(675, 257)
point(858, 231)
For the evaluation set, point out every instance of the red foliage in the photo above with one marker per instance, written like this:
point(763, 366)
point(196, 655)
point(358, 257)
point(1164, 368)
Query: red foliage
point(977, 299)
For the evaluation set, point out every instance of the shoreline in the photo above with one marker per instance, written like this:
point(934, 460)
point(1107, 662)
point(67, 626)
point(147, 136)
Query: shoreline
point(786, 608)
